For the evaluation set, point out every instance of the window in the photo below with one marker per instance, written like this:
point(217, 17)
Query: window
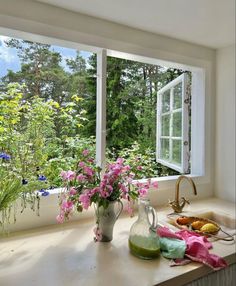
point(200, 71)
point(173, 103)
point(152, 107)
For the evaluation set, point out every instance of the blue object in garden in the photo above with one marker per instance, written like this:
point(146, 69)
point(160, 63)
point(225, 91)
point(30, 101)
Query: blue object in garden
point(45, 193)
point(5, 156)
point(42, 178)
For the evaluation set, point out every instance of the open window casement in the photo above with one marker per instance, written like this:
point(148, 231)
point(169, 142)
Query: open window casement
point(172, 142)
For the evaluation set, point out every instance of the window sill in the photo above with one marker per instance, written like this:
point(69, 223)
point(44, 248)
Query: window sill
point(49, 205)
point(70, 247)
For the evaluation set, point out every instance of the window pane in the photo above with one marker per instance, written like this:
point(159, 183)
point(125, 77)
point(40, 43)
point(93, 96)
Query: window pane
point(165, 125)
point(177, 124)
point(165, 153)
point(177, 103)
point(166, 101)
point(50, 119)
point(131, 115)
point(176, 156)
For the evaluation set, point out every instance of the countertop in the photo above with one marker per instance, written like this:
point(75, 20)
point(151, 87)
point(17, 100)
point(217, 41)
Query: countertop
point(66, 255)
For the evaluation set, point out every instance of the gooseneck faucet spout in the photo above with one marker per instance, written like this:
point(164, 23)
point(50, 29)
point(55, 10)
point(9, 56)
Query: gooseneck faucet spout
point(178, 205)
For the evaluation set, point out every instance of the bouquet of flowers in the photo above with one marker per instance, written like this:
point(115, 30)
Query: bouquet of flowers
point(88, 184)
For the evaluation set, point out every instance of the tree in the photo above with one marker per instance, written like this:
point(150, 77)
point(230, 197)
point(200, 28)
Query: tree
point(44, 76)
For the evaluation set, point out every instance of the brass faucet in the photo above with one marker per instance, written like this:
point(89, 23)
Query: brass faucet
point(177, 204)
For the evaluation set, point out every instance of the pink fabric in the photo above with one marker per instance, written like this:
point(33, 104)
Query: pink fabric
point(180, 261)
point(166, 232)
point(197, 247)
point(188, 235)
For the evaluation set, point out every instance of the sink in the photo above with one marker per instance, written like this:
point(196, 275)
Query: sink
point(222, 219)
point(225, 221)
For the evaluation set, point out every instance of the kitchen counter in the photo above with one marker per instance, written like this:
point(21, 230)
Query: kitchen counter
point(66, 255)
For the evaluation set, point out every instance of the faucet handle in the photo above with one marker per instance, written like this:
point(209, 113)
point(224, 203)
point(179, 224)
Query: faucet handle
point(185, 200)
point(171, 202)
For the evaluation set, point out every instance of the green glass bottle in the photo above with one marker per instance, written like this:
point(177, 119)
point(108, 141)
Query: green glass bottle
point(143, 240)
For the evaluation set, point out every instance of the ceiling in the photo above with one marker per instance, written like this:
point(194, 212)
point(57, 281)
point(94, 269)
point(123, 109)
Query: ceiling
point(206, 22)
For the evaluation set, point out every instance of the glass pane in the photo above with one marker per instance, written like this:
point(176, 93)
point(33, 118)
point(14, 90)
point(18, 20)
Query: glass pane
point(165, 125)
point(165, 153)
point(177, 124)
point(177, 96)
point(166, 101)
point(56, 105)
point(177, 152)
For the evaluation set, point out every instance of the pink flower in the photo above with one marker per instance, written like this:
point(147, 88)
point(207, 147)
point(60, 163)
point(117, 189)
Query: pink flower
point(72, 191)
point(129, 208)
point(60, 218)
point(63, 175)
point(109, 188)
point(131, 175)
point(129, 180)
point(103, 184)
point(68, 176)
point(104, 194)
point(143, 192)
point(94, 191)
point(80, 178)
point(126, 168)
point(123, 188)
point(139, 168)
point(120, 161)
point(116, 171)
point(67, 206)
point(81, 164)
point(155, 184)
point(105, 176)
point(85, 200)
point(88, 171)
point(85, 152)
point(98, 234)
point(124, 196)
point(138, 184)
point(147, 185)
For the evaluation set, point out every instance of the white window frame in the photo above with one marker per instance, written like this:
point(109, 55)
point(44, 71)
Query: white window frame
point(199, 72)
point(101, 108)
point(184, 138)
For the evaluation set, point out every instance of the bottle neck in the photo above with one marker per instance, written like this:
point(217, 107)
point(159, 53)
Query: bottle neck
point(142, 208)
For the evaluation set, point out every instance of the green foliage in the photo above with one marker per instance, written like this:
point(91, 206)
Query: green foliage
point(67, 158)
point(48, 115)
point(10, 188)
point(28, 133)
point(142, 162)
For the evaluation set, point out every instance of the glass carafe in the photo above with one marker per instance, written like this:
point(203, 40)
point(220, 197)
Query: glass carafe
point(143, 239)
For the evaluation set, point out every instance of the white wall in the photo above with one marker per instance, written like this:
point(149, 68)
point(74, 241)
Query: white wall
point(34, 21)
point(225, 124)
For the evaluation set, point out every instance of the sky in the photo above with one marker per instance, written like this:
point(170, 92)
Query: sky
point(10, 61)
